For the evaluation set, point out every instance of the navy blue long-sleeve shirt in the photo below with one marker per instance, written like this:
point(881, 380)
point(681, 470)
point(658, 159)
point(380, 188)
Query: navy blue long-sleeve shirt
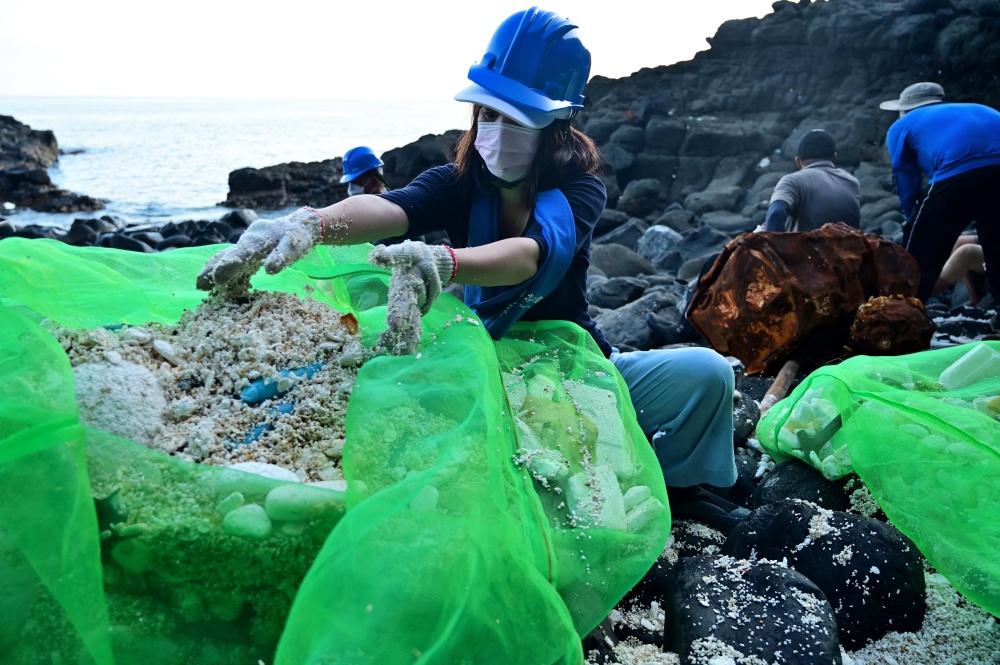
point(437, 201)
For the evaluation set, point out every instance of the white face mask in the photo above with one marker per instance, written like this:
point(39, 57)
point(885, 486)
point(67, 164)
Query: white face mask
point(507, 149)
point(353, 189)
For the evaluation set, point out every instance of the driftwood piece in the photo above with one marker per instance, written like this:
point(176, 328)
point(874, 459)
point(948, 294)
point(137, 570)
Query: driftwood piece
point(779, 387)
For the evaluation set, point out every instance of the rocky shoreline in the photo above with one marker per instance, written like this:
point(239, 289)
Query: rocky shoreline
point(25, 156)
point(692, 152)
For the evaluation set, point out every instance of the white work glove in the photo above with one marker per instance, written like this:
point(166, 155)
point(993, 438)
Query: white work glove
point(275, 244)
point(429, 267)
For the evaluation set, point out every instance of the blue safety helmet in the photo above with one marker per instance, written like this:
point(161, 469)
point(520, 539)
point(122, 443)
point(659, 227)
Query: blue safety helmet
point(359, 160)
point(534, 69)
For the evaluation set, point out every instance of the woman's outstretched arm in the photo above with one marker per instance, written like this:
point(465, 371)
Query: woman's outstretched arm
point(362, 218)
point(502, 263)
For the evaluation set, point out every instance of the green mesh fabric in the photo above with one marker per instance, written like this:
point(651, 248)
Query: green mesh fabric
point(593, 471)
point(50, 575)
point(923, 433)
point(500, 501)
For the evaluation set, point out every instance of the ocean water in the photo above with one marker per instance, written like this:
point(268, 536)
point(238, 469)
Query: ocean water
point(160, 160)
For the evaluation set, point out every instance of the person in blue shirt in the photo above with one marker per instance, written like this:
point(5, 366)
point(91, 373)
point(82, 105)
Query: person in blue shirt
point(957, 147)
point(520, 203)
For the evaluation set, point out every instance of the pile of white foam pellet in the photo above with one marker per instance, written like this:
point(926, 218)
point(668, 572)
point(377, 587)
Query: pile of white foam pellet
point(177, 388)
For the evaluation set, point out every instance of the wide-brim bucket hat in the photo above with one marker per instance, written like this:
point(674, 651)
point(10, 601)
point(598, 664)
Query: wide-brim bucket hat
point(913, 96)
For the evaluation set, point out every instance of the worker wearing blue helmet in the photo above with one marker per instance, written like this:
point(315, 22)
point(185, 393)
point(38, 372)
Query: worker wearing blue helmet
point(363, 172)
point(520, 203)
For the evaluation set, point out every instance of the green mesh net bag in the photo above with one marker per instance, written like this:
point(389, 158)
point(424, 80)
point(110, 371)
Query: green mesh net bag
point(500, 497)
point(923, 433)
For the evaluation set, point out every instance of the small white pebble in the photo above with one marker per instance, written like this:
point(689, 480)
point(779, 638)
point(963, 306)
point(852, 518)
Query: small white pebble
point(166, 351)
point(137, 336)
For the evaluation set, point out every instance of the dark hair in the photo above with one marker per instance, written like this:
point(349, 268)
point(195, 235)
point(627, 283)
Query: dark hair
point(563, 150)
point(376, 172)
point(816, 144)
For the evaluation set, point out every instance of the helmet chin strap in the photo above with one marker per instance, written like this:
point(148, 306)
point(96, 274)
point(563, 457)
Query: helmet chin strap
point(500, 182)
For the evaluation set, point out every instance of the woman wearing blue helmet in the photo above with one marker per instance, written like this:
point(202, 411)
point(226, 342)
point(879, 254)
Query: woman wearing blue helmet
point(363, 172)
point(520, 204)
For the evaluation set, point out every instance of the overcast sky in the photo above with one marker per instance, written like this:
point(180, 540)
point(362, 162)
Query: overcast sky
point(301, 49)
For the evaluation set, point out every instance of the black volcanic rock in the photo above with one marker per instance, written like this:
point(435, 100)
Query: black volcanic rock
point(760, 610)
point(404, 164)
point(239, 219)
point(315, 184)
point(615, 292)
point(128, 243)
point(25, 156)
point(870, 573)
point(795, 479)
point(24, 148)
point(173, 242)
point(80, 234)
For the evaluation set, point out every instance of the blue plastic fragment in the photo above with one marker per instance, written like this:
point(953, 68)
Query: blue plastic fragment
point(265, 389)
point(285, 407)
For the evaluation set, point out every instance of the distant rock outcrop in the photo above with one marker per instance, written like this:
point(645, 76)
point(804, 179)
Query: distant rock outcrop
point(315, 184)
point(24, 147)
point(25, 156)
point(404, 164)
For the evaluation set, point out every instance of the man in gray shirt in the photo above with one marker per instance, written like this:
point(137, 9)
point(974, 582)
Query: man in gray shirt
point(818, 193)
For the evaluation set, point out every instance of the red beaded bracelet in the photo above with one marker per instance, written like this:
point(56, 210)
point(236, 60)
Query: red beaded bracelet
point(454, 262)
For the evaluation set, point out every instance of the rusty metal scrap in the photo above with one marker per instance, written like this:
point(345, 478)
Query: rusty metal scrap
point(768, 292)
point(890, 326)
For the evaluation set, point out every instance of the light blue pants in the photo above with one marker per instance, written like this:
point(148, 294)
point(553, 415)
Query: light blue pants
point(684, 398)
